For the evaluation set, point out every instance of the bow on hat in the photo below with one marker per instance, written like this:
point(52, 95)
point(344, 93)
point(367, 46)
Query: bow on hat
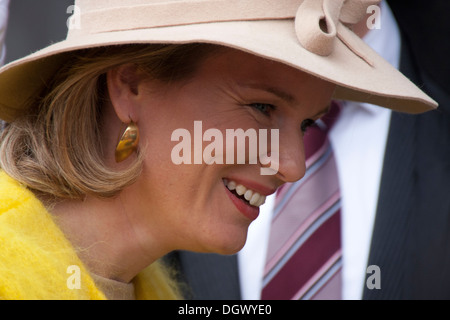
point(319, 22)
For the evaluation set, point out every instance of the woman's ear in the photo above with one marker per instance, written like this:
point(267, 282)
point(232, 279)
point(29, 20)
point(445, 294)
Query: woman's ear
point(123, 89)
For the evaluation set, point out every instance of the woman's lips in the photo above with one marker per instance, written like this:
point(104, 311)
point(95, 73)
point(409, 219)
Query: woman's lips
point(254, 198)
point(246, 200)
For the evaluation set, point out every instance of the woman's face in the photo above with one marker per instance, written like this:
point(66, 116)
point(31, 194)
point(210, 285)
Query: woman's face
point(184, 200)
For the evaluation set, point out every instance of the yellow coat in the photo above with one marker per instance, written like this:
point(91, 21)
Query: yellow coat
point(38, 262)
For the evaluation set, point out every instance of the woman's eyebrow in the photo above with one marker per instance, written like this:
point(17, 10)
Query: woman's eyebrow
point(280, 93)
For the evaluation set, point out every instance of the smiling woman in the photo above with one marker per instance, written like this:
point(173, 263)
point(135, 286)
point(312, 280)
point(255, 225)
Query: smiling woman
point(122, 87)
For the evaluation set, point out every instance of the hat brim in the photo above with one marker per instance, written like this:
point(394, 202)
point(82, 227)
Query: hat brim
point(356, 80)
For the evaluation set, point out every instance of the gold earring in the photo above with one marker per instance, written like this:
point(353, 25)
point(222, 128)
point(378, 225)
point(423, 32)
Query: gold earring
point(127, 143)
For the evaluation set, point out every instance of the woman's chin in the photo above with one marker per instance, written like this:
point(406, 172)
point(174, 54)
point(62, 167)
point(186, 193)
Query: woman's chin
point(231, 249)
point(227, 245)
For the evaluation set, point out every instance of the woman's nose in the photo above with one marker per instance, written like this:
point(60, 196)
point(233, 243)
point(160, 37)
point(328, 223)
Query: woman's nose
point(291, 160)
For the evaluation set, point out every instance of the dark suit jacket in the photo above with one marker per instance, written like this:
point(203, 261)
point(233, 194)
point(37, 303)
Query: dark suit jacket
point(411, 236)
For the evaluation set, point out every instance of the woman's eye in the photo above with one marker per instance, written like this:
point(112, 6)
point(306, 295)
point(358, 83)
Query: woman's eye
point(263, 107)
point(306, 124)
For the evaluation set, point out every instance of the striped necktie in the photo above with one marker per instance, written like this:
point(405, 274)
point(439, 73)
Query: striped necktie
point(304, 252)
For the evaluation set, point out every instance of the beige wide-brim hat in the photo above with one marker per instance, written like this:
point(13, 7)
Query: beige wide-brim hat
point(311, 35)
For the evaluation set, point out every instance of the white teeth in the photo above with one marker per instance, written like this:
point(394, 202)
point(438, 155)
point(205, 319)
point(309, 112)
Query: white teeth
point(248, 194)
point(253, 197)
point(231, 185)
point(240, 189)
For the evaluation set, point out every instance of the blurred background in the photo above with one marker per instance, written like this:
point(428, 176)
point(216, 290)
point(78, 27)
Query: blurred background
point(34, 24)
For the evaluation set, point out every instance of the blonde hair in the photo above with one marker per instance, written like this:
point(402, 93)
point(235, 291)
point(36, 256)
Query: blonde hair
point(55, 149)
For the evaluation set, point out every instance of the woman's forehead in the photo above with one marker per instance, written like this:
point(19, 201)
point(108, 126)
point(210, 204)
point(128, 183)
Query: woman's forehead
point(250, 68)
